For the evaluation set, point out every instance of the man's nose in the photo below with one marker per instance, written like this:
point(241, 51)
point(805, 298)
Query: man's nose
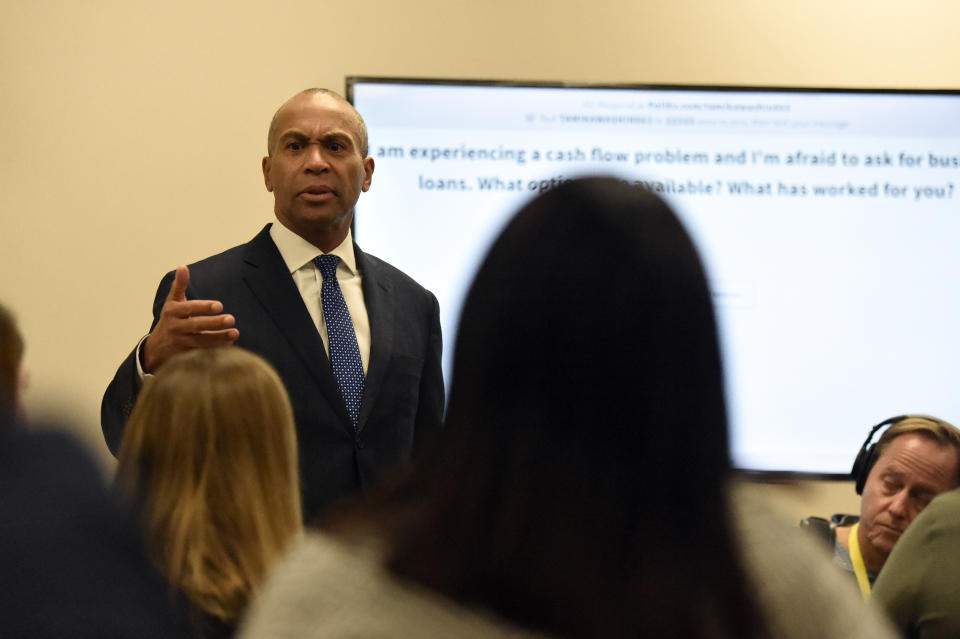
point(315, 159)
point(900, 505)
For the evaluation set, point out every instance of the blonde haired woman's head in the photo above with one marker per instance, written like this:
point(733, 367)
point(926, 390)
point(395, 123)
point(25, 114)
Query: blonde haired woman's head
point(210, 456)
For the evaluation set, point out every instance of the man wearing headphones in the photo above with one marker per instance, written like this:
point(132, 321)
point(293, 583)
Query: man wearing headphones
point(916, 458)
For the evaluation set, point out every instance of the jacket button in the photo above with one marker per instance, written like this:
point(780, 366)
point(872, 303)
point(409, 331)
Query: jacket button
point(359, 443)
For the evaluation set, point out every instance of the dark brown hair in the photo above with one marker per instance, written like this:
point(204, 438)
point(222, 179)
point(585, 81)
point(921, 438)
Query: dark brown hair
point(580, 485)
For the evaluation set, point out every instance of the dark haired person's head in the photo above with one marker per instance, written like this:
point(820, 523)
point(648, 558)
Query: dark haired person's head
point(580, 484)
point(11, 357)
point(588, 346)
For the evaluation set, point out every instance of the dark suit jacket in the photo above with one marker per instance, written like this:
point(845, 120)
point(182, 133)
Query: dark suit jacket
point(403, 392)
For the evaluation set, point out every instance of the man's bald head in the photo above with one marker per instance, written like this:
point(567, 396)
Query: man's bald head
point(361, 126)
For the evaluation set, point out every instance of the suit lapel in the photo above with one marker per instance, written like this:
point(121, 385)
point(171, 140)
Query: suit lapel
point(266, 274)
point(378, 297)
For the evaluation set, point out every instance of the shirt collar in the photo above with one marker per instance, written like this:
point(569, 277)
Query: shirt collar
point(297, 252)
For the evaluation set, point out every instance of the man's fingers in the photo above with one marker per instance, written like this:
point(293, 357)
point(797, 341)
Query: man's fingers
point(178, 291)
point(213, 339)
point(205, 323)
point(192, 308)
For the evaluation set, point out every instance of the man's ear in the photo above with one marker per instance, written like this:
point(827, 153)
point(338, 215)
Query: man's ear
point(367, 173)
point(265, 165)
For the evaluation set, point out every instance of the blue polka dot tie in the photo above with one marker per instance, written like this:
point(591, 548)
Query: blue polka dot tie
point(344, 352)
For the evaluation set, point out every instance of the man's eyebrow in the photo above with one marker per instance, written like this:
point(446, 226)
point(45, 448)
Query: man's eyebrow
point(337, 135)
point(331, 135)
point(892, 473)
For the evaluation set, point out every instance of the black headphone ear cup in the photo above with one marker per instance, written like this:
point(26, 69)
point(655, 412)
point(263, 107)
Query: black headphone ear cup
point(863, 465)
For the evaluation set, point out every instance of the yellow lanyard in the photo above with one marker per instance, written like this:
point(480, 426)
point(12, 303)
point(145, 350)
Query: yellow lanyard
point(859, 568)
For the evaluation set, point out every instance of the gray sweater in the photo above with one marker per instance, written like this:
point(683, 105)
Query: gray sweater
point(326, 589)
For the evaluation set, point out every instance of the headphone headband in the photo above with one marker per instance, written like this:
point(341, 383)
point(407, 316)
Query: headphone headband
point(867, 456)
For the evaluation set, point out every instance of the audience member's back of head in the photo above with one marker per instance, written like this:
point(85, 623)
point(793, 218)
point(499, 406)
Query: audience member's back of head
point(580, 484)
point(71, 556)
point(210, 456)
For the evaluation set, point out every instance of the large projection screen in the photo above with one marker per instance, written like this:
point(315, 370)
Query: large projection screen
point(827, 221)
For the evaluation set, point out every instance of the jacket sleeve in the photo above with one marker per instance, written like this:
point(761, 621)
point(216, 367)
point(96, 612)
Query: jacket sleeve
point(121, 394)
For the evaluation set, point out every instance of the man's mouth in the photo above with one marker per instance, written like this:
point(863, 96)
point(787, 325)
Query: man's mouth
point(317, 193)
point(890, 530)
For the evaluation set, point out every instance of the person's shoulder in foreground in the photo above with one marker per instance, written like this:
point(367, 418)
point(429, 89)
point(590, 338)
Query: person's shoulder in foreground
point(72, 557)
point(329, 589)
point(326, 588)
point(918, 586)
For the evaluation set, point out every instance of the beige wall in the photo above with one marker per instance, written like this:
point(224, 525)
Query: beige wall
point(132, 132)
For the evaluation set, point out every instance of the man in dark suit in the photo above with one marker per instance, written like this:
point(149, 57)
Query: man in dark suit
point(270, 296)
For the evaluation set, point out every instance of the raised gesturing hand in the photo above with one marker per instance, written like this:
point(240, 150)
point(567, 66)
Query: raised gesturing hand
point(186, 324)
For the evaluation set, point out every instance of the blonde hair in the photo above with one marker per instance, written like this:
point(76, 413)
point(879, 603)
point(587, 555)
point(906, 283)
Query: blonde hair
point(210, 456)
point(937, 430)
